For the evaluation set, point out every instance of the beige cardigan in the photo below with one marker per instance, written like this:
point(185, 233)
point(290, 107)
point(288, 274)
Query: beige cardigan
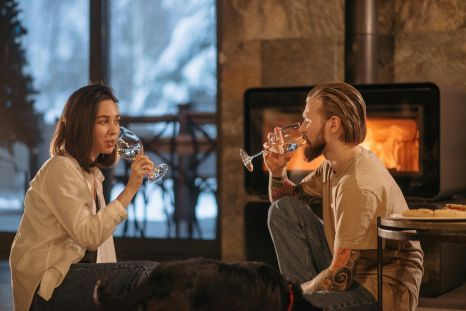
point(58, 225)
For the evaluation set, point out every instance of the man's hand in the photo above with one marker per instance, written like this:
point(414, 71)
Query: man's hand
point(276, 162)
point(338, 276)
point(274, 157)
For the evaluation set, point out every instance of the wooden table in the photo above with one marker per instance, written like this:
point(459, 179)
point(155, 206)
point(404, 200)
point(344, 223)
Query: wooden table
point(402, 229)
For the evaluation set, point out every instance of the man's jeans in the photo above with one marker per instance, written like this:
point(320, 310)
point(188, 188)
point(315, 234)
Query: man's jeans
point(76, 291)
point(302, 253)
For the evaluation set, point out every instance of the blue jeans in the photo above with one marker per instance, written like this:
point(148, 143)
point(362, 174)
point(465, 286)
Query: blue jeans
point(302, 253)
point(76, 291)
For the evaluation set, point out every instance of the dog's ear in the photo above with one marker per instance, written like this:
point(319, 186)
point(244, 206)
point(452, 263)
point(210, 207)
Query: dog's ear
point(106, 300)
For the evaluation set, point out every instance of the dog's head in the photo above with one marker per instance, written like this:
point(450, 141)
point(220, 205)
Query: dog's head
point(203, 284)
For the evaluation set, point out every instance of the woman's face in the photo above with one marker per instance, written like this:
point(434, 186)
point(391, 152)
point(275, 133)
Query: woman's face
point(106, 128)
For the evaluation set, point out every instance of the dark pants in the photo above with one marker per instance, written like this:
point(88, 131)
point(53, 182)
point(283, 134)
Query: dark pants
point(302, 253)
point(76, 291)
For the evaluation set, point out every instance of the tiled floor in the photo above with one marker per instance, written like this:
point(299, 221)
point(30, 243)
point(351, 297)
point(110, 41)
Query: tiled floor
point(454, 300)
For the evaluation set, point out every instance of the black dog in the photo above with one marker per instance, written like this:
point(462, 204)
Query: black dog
point(203, 284)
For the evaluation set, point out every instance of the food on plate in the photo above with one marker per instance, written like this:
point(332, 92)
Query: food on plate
point(458, 207)
point(420, 212)
point(450, 210)
point(449, 213)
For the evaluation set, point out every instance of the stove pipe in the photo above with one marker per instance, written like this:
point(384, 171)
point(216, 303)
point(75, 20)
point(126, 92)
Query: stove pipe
point(361, 41)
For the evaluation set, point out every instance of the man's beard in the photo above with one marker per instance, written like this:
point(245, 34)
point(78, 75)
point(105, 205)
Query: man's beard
point(312, 151)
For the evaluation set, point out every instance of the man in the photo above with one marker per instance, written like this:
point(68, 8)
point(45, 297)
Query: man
point(336, 262)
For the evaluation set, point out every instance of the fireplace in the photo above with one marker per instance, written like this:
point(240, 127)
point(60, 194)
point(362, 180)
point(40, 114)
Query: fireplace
point(416, 129)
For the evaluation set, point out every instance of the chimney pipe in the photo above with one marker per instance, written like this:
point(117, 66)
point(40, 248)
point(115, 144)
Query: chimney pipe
point(361, 41)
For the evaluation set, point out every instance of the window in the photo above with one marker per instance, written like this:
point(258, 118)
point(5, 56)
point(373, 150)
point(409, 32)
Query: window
point(57, 57)
point(163, 66)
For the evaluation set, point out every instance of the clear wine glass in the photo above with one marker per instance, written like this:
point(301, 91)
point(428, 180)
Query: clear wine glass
point(129, 146)
point(292, 140)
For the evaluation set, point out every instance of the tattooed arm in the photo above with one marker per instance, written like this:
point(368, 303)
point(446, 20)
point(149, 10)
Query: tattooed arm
point(338, 276)
point(282, 186)
point(279, 187)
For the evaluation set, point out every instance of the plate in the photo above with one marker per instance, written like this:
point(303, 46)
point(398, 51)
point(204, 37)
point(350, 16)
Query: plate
point(399, 216)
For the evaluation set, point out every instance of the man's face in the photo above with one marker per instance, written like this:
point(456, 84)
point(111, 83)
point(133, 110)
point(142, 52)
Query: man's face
point(313, 129)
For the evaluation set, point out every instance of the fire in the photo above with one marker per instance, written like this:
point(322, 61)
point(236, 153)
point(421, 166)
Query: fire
point(394, 141)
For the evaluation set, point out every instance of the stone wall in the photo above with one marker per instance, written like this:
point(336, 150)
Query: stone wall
point(266, 43)
point(430, 42)
point(301, 42)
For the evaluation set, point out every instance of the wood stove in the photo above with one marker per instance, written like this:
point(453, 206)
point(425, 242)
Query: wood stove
point(415, 129)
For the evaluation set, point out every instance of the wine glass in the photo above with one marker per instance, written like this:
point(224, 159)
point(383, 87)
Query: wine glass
point(292, 140)
point(129, 146)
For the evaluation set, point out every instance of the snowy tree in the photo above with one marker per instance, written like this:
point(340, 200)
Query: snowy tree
point(18, 120)
point(164, 55)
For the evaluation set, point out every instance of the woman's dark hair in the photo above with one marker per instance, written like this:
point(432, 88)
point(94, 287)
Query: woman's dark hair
point(74, 132)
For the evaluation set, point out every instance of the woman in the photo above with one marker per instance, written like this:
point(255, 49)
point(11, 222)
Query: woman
point(66, 220)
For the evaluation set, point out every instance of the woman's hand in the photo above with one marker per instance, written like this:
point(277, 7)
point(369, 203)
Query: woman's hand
point(141, 167)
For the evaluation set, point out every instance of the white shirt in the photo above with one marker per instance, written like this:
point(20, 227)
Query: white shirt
point(58, 225)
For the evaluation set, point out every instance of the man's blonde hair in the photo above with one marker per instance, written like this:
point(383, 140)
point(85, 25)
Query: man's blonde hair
point(344, 101)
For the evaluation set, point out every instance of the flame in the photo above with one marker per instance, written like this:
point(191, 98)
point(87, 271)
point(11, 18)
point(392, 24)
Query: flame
point(395, 141)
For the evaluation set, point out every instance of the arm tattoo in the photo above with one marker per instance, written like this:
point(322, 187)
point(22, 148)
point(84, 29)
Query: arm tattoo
point(280, 187)
point(340, 274)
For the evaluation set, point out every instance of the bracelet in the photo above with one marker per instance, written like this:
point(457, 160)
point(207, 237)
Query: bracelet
point(280, 178)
